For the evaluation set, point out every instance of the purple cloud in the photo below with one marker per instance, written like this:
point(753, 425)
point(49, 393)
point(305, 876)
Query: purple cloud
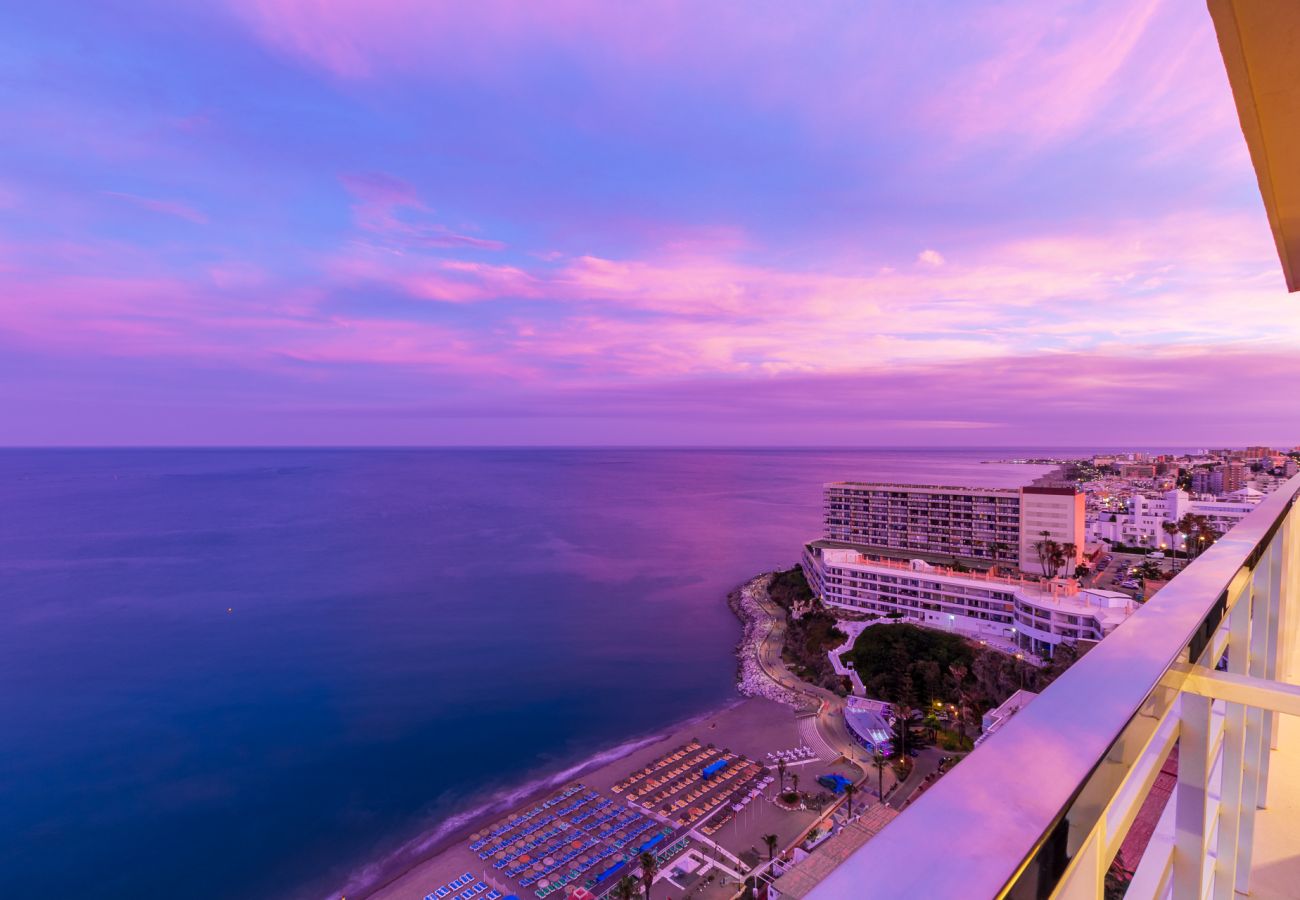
point(571, 221)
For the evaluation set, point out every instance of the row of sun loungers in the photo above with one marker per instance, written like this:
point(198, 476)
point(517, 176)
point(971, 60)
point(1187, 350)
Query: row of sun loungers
point(546, 841)
point(748, 774)
point(679, 753)
point(452, 890)
point(682, 783)
point(637, 796)
point(795, 755)
point(502, 827)
point(529, 880)
point(501, 845)
point(594, 811)
point(739, 798)
point(595, 860)
point(656, 779)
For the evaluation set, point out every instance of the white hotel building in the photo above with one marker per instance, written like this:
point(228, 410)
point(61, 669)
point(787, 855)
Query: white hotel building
point(1036, 616)
point(1141, 523)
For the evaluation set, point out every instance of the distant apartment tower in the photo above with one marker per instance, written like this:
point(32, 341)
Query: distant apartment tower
point(980, 526)
point(1235, 476)
point(1203, 482)
point(1137, 470)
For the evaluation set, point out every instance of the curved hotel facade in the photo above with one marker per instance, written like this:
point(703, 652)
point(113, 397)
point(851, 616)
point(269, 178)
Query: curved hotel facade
point(1035, 616)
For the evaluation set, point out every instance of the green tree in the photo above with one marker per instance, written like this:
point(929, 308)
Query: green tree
point(878, 760)
point(649, 867)
point(904, 713)
point(1171, 529)
point(626, 888)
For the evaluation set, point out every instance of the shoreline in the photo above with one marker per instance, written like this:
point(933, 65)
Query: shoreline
point(434, 843)
point(409, 870)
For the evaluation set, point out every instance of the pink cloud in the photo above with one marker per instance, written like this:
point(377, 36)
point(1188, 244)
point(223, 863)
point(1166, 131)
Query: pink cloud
point(390, 210)
point(164, 207)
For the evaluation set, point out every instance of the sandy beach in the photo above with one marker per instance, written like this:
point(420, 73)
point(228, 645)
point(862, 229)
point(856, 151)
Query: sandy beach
point(752, 727)
point(725, 840)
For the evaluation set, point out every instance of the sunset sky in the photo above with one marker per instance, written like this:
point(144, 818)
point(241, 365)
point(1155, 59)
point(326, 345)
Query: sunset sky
point(405, 221)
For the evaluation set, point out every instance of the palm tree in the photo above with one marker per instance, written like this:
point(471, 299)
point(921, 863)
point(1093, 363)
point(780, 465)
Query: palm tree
point(849, 791)
point(878, 760)
point(1171, 529)
point(770, 840)
point(1046, 549)
point(904, 720)
point(649, 866)
point(625, 889)
point(1069, 553)
point(794, 779)
point(780, 770)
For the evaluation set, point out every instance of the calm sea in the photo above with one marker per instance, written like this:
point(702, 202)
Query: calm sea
point(249, 673)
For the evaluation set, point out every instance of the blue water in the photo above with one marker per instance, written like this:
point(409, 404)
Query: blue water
point(250, 673)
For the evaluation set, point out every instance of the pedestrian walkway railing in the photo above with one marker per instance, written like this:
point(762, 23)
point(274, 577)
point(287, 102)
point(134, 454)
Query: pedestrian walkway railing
point(1042, 808)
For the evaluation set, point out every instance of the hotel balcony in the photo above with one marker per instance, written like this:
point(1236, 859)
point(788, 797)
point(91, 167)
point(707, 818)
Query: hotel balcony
point(1173, 745)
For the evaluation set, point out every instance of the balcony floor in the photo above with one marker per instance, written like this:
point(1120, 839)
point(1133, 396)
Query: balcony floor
point(1275, 872)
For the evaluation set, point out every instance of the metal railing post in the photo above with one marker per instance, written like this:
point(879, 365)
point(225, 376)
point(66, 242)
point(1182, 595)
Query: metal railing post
point(1191, 795)
point(1254, 745)
point(1234, 735)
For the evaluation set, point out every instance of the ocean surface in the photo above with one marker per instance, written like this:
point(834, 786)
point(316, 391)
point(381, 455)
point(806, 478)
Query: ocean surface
point(261, 673)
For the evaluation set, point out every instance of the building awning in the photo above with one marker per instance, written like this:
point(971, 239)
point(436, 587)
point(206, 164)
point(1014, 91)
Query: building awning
point(1260, 43)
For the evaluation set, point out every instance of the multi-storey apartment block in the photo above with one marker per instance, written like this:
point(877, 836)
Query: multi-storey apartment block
point(979, 526)
point(1036, 616)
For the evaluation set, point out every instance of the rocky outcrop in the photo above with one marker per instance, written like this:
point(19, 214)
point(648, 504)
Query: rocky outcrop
point(751, 678)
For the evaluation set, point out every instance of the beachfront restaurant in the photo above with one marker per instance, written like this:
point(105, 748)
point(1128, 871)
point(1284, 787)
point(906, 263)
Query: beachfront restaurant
point(867, 723)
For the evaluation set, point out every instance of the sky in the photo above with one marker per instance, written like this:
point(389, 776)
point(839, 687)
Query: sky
point(653, 222)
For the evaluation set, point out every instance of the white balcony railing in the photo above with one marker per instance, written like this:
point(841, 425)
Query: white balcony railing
point(1043, 806)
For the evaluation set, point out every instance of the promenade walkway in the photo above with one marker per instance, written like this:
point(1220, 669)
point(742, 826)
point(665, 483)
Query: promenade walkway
point(827, 707)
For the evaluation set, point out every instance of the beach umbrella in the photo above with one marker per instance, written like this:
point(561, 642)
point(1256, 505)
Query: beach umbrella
point(550, 860)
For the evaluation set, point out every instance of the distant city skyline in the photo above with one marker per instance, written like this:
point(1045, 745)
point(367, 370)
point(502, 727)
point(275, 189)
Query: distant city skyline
point(580, 223)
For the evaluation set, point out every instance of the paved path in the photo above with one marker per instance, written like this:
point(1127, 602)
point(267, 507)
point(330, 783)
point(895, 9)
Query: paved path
point(829, 706)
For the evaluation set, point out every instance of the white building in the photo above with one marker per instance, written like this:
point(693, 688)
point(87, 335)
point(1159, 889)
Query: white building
point(996, 718)
point(1055, 514)
point(1140, 524)
point(1034, 616)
